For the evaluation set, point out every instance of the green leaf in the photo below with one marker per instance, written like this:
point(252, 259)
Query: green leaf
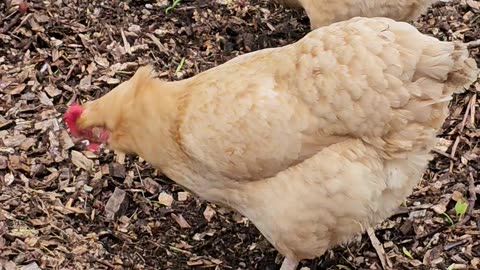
point(451, 267)
point(407, 253)
point(448, 218)
point(461, 208)
point(342, 267)
point(180, 66)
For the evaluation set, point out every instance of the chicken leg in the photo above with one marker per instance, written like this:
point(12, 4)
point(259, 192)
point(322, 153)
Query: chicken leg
point(289, 264)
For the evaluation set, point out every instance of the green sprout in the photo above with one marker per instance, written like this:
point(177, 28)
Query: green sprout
point(180, 66)
point(449, 219)
point(407, 253)
point(454, 266)
point(172, 6)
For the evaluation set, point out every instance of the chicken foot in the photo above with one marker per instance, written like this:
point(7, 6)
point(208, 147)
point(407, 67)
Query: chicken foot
point(289, 264)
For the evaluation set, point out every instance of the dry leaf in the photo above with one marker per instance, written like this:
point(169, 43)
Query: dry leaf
point(102, 61)
point(14, 141)
point(165, 199)
point(180, 221)
point(118, 170)
point(443, 144)
point(457, 196)
point(208, 213)
point(52, 91)
point(183, 196)
point(151, 186)
point(116, 204)
point(67, 140)
point(85, 82)
point(44, 99)
point(17, 89)
point(8, 179)
point(31, 266)
point(474, 4)
point(439, 208)
point(81, 161)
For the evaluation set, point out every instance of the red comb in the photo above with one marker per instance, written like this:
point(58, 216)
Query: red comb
point(70, 117)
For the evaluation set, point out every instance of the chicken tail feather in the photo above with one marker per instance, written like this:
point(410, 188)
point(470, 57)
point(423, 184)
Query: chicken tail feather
point(464, 71)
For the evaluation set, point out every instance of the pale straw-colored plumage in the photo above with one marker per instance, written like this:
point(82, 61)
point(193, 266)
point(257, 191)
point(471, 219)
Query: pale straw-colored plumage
point(313, 142)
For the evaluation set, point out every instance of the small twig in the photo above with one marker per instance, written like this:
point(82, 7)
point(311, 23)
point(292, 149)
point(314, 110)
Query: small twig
point(141, 179)
point(157, 42)
point(472, 198)
point(444, 154)
point(472, 110)
point(11, 24)
point(140, 256)
point(467, 113)
point(126, 45)
point(138, 172)
point(386, 263)
point(11, 14)
point(69, 73)
point(428, 234)
point(25, 19)
point(473, 44)
point(454, 151)
point(455, 244)
point(105, 263)
point(401, 211)
point(178, 250)
point(454, 148)
point(346, 260)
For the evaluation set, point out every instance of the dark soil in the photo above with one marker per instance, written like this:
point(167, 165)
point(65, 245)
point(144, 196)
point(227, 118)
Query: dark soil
point(52, 207)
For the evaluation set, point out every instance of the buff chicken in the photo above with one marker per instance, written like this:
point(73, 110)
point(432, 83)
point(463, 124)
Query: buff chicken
point(325, 12)
point(314, 142)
